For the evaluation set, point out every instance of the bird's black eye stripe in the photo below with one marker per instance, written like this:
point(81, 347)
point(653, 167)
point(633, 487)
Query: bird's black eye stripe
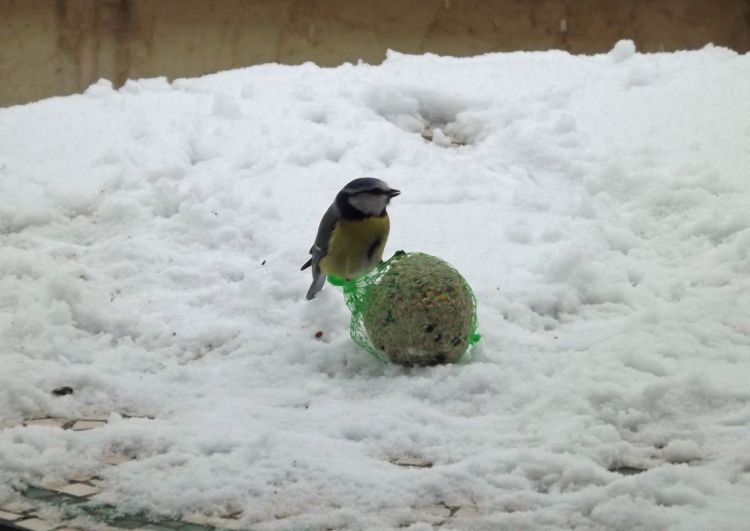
point(372, 191)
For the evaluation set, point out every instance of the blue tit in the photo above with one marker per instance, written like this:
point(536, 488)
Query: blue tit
point(352, 234)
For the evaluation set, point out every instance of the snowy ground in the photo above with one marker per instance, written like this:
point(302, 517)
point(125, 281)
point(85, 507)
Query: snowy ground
point(151, 239)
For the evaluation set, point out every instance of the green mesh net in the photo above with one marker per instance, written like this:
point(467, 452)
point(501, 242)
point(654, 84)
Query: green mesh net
point(414, 309)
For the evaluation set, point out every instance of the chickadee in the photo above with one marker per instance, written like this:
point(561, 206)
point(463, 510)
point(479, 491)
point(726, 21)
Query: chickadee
point(352, 234)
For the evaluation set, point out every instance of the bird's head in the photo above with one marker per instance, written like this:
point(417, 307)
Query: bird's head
point(365, 196)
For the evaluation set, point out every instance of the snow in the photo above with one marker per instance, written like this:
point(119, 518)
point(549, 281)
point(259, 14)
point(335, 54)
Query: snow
point(681, 451)
point(622, 51)
point(598, 205)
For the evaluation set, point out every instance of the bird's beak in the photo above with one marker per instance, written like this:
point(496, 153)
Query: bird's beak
point(393, 193)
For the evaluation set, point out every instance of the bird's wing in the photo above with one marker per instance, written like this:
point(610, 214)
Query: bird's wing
point(325, 229)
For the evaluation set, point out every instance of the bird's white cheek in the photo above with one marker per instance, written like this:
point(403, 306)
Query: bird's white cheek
point(369, 204)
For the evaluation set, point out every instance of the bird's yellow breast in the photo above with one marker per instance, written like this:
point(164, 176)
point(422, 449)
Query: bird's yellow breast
point(355, 247)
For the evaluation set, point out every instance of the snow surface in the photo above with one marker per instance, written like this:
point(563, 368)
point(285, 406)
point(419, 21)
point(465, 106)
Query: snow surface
point(151, 244)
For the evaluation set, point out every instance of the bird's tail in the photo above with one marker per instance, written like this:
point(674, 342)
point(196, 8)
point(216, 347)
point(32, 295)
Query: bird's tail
point(319, 279)
point(306, 265)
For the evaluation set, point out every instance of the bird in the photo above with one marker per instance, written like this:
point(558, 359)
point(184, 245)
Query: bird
point(352, 234)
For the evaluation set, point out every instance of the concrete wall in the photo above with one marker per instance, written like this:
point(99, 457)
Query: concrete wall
point(55, 47)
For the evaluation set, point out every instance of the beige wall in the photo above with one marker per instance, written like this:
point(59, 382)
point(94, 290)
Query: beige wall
point(53, 47)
